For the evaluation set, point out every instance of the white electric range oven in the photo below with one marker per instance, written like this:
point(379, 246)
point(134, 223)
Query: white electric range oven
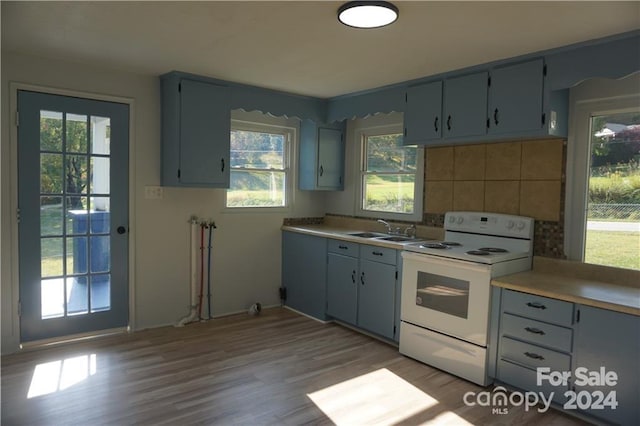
point(446, 289)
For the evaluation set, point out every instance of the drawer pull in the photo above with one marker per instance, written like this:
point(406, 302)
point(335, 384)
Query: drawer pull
point(534, 355)
point(535, 330)
point(377, 253)
point(341, 247)
point(536, 305)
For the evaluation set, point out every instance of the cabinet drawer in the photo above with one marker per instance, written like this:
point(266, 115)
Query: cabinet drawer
point(378, 254)
point(538, 307)
point(524, 378)
point(537, 332)
point(343, 247)
point(533, 356)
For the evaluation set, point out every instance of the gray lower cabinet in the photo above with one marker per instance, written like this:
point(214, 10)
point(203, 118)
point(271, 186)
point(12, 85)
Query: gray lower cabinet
point(586, 343)
point(362, 286)
point(609, 340)
point(342, 281)
point(534, 332)
point(304, 273)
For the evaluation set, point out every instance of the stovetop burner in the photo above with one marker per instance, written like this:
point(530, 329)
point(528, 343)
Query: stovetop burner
point(439, 246)
point(494, 249)
point(479, 252)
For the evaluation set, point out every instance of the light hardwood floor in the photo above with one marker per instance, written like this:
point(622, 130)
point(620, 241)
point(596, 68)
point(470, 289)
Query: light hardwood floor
point(276, 368)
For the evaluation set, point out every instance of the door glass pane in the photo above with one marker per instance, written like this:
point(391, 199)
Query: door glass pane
point(51, 131)
point(99, 253)
point(77, 215)
point(99, 215)
point(77, 255)
point(100, 135)
point(52, 298)
point(76, 174)
point(51, 219)
point(51, 257)
point(444, 294)
point(613, 209)
point(99, 175)
point(76, 133)
point(100, 292)
point(77, 296)
point(51, 174)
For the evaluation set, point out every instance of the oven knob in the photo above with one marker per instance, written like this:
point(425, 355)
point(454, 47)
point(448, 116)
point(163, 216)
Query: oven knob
point(459, 220)
point(510, 224)
point(452, 219)
point(520, 225)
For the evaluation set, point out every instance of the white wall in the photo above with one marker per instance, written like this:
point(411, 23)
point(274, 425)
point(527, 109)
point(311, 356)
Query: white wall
point(246, 265)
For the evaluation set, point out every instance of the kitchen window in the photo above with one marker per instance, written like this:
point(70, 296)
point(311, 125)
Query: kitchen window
point(388, 175)
point(603, 180)
point(259, 165)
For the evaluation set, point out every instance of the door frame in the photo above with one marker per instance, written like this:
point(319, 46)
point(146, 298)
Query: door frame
point(13, 206)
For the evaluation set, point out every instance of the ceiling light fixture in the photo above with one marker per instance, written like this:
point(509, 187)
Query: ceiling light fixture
point(367, 14)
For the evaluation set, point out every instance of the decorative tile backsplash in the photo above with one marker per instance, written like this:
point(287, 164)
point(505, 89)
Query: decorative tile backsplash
point(523, 178)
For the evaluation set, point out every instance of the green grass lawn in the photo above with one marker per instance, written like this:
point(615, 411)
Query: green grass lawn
point(619, 249)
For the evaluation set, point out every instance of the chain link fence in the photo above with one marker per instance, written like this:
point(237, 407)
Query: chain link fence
point(630, 212)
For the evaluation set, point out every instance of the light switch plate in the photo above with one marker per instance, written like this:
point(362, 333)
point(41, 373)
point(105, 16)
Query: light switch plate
point(153, 192)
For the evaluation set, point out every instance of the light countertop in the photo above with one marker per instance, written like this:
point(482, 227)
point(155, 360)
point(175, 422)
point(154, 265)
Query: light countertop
point(601, 287)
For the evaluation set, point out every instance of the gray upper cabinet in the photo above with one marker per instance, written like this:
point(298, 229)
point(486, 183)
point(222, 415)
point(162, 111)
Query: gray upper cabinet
point(515, 98)
point(465, 106)
point(423, 114)
point(196, 124)
point(321, 156)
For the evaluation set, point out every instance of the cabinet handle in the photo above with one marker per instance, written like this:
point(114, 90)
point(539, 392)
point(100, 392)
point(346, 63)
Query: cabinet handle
point(362, 278)
point(536, 305)
point(495, 116)
point(435, 124)
point(449, 123)
point(533, 355)
point(377, 253)
point(341, 247)
point(222, 164)
point(321, 170)
point(353, 276)
point(535, 330)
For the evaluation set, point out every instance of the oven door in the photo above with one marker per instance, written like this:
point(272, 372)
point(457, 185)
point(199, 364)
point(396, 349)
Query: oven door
point(446, 295)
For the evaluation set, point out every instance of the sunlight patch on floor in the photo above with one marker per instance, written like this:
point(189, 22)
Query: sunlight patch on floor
point(54, 376)
point(379, 397)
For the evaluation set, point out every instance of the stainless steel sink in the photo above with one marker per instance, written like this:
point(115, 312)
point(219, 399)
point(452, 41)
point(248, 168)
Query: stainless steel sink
point(367, 234)
point(398, 239)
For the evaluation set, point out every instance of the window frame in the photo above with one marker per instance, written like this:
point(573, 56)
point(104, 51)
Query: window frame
point(361, 136)
point(599, 97)
point(290, 134)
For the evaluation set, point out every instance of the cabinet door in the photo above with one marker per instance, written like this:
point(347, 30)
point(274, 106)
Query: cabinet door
point(342, 287)
point(611, 340)
point(330, 158)
point(205, 124)
point(304, 266)
point(376, 297)
point(465, 106)
point(515, 98)
point(423, 114)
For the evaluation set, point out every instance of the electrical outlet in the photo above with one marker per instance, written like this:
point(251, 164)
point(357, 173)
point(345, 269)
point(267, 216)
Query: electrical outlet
point(153, 192)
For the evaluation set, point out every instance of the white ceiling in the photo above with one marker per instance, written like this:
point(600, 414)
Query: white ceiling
point(299, 46)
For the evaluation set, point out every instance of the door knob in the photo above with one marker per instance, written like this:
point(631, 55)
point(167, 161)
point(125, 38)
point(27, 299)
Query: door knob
point(121, 230)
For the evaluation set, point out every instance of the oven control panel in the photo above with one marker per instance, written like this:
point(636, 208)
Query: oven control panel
point(489, 223)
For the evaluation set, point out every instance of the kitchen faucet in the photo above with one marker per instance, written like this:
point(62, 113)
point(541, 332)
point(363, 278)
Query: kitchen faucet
point(385, 223)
